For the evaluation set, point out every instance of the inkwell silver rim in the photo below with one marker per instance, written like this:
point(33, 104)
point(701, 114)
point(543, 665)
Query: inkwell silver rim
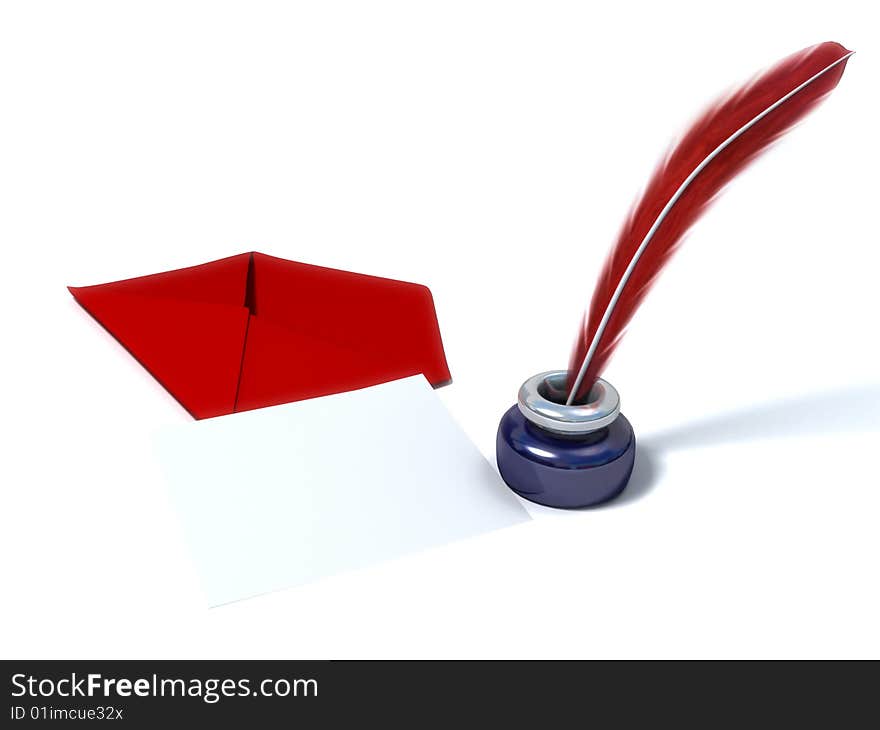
point(601, 410)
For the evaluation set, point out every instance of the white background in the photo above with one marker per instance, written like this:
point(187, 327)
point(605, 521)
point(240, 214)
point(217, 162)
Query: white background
point(489, 150)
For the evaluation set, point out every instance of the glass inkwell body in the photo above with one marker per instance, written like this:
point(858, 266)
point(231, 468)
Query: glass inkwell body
point(565, 455)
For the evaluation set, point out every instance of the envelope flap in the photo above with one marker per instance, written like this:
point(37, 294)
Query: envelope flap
point(194, 349)
point(393, 320)
point(219, 282)
point(282, 365)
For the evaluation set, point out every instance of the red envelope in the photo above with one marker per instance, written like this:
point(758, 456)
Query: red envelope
point(252, 330)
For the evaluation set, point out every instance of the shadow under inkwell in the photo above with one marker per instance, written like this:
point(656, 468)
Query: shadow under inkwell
point(846, 410)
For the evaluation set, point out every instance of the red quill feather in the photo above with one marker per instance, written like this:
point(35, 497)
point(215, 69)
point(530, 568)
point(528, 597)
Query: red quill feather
point(721, 143)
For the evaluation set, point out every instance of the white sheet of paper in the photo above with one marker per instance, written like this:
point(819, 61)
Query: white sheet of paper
point(279, 496)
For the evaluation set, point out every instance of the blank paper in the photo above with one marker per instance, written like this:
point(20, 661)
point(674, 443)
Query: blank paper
point(280, 496)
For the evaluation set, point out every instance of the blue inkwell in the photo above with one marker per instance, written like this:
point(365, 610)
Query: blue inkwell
point(565, 455)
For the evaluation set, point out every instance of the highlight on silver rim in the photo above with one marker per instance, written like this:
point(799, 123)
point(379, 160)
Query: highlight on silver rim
point(601, 411)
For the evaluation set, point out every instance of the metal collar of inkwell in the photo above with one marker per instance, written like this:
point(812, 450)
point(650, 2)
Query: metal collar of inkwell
point(541, 400)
